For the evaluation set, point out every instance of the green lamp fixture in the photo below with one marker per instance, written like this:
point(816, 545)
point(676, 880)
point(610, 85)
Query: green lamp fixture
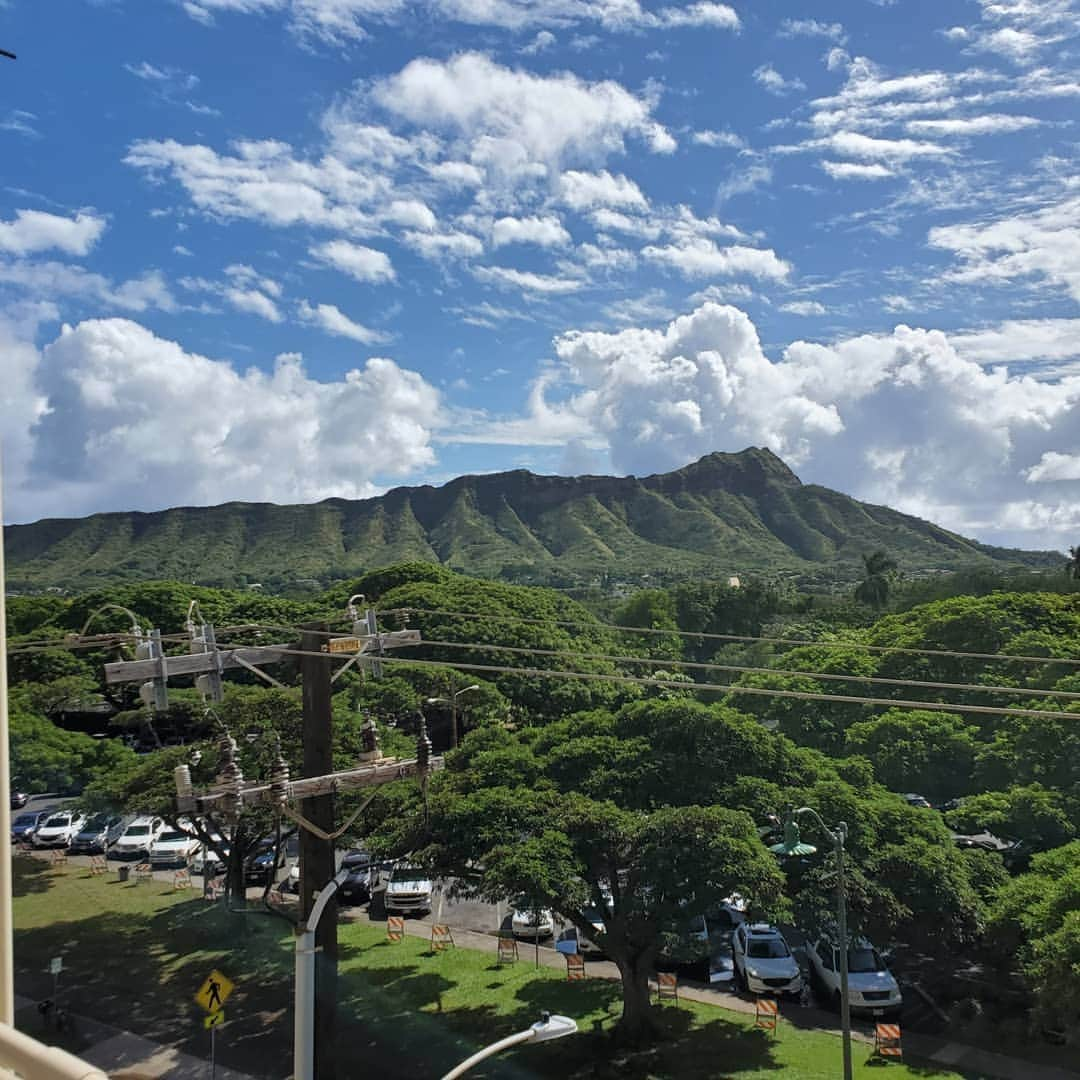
point(792, 843)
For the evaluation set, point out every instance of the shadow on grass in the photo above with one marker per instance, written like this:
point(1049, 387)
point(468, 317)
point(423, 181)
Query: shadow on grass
point(29, 875)
point(139, 971)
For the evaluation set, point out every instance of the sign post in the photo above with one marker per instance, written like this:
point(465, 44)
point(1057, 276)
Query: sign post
point(212, 996)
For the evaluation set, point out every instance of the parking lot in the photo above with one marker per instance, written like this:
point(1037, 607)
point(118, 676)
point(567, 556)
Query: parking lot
point(477, 917)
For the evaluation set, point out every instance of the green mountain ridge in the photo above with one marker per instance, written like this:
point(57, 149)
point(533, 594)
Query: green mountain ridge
point(725, 514)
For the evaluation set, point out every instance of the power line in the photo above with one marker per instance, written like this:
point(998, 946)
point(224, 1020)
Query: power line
point(898, 703)
point(742, 670)
point(694, 634)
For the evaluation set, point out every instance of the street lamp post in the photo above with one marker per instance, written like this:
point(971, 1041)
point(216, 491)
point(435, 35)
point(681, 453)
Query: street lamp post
point(793, 845)
point(546, 1028)
point(452, 702)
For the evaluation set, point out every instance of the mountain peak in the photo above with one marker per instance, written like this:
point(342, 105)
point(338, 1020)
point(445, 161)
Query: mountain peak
point(747, 472)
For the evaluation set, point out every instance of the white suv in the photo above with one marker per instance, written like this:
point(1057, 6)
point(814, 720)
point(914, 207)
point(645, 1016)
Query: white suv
point(59, 829)
point(871, 986)
point(763, 961)
point(138, 838)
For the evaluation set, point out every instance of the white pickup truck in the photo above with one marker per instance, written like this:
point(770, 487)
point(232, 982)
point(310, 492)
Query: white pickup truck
point(408, 891)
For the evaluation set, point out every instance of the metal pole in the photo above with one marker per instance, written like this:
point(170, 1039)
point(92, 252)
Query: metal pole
point(317, 854)
point(841, 896)
point(304, 1007)
point(7, 938)
point(453, 713)
point(213, 1051)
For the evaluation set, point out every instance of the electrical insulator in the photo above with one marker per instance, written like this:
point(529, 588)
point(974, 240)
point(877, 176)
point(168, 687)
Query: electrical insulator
point(185, 791)
point(279, 780)
point(423, 750)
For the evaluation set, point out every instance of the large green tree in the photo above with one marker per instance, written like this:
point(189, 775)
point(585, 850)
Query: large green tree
point(1042, 817)
point(646, 870)
point(918, 750)
point(1037, 917)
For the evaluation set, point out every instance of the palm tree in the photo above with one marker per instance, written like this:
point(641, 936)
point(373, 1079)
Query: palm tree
point(1072, 567)
point(873, 590)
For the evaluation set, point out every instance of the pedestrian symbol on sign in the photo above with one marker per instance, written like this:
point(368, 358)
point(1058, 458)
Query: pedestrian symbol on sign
point(214, 992)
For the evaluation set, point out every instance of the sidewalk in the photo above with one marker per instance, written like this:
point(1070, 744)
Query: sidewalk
point(922, 1048)
point(123, 1054)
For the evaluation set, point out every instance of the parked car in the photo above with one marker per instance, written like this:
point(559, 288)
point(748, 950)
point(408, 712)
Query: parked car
point(19, 799)
point(528, 921)
point(763, 960)
point(173, 847)
point(25, 825)
point(206, 858)
point(571, 941)
point(693, 940)
point(408, 891)
point(264, 861)
point(356, 888)
point(138, 838)
point(98, 834)
point(59, 829)
point(871, 986)
point(921, 801)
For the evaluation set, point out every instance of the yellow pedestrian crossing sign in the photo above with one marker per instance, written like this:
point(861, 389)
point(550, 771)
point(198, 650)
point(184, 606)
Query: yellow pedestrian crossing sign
point(214, 992)
point(214, 1019)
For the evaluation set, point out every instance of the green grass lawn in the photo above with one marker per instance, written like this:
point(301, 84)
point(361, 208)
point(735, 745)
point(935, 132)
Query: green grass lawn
point(135, 954)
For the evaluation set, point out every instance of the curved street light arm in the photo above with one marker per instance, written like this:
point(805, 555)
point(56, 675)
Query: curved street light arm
point(836, 836)
point(136, 629)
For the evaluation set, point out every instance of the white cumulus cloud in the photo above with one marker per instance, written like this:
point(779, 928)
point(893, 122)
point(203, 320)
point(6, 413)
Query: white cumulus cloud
point(334, 321)
point(134, 420)
point(359, 262)
point(31, 231)
point(547, 231)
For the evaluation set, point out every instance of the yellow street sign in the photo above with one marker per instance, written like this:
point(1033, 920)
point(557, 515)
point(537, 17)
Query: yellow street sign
point(214, 1019)
point(343, 644)
point(214, 992)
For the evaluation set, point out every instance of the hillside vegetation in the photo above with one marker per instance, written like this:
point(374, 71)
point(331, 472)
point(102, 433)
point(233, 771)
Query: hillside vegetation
point(725, 514)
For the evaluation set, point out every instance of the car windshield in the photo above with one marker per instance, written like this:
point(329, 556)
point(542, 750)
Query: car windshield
point(408, 873)
point(594, 915)
point(356, 859)
point(767, 949)
point(25, 819)
point(58, 820)
point(861, 961)
point(138, 830)
point(167, 837)
point(98, 821)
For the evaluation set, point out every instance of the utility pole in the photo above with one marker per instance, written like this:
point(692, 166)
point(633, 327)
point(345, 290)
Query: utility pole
point(317, 854)
point(7, 963)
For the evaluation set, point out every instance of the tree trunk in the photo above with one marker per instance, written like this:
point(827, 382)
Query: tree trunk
point(235, 884)
point(637, 1025)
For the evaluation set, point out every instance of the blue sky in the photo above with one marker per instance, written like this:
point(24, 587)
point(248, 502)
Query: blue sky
point(287, 249)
